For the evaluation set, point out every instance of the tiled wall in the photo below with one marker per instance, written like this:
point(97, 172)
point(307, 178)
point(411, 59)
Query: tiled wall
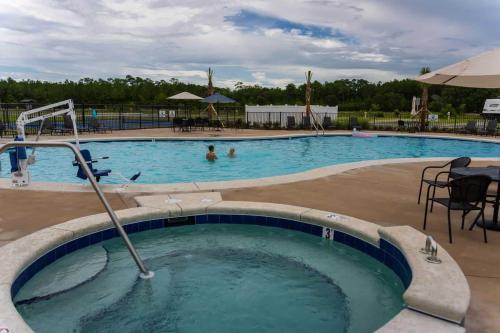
point(387, 254)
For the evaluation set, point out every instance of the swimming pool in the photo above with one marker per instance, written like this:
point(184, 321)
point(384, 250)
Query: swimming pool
point(179, 161)
point(219, 278)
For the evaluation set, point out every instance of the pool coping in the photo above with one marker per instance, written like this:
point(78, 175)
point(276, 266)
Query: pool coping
point(190, 187)
point(311, 174)
point(437, 297)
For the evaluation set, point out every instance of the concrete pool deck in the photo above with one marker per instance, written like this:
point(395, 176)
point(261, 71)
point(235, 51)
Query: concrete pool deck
point(383, 194)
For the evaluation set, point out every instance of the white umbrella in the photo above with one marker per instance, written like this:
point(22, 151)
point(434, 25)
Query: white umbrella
point(413, 106)
point(481, 71)
point(185, 96)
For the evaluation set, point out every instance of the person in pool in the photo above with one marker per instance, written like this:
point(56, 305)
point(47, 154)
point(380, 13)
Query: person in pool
point(211, 153)
point(232, 153)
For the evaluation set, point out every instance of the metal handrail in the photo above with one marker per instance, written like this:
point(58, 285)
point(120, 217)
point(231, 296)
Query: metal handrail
point(145, 273)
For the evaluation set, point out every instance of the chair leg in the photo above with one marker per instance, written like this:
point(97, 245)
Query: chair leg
point(475, 221)
point(433, 196)
point(449, 225)
point(484, 226)
point(426, 206)
point(427, 197)
point(463, 219)
point(420, 191)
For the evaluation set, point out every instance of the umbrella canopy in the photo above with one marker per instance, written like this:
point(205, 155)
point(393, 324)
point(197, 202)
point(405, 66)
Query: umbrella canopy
point(218, 98)
point(186, 96)
point(481, 71)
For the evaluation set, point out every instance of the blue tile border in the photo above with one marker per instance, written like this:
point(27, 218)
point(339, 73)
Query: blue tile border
point(387, 253)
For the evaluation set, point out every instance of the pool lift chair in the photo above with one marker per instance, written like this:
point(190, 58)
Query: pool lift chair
point(99, 173)
point(20, 160)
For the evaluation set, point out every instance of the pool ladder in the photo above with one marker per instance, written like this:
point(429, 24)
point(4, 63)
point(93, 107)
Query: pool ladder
point(144, 272)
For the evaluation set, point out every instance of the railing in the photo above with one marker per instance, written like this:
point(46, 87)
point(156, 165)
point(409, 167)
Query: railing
point(125, 117)
point(373, 121)
point(145, 273)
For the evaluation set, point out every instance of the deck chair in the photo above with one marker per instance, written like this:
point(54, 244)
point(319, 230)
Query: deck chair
point(327, 122)
point(4, 129)
point(491, 128)
point(96, 126)
point(466, 194)
point(353, 123)
point(88, 158)
point(290, 122)
point(435, 182)
point(306, 122)
point(470, 128)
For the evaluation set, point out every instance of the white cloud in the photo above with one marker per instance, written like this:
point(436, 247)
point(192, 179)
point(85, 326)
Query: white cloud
point(373, 39)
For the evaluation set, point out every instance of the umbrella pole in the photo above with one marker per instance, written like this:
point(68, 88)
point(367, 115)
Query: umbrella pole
point(424, 111)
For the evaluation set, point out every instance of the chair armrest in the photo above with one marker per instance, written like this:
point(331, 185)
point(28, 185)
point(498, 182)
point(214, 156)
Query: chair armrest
point(433, 167)
point(441, 173)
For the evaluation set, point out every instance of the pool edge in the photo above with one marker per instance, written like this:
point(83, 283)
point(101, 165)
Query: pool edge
point(431, 300)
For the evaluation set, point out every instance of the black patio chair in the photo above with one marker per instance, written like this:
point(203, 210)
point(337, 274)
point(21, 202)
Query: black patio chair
point(68, 126)
point(327, 122)
point(306, 122)
point(470, 128)
point(290, 122)
point(96, 126)
point(216, 125)
point(5, 130)
point(466, 194)
point(177, 123)
point(460, 162)
point(353, 123)
point(49, 128)
point(491, 128)
point(401, 125)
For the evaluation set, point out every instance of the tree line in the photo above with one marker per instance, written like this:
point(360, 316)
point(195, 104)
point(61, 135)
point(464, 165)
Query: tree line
point(348, 94)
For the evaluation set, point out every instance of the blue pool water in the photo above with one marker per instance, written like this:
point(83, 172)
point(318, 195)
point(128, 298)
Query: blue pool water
point(184, 161)
point(220, 278)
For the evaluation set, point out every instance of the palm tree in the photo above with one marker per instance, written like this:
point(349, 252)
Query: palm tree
point(308, 93)
point(210, 108)
point(425, 70)
point(424, 111)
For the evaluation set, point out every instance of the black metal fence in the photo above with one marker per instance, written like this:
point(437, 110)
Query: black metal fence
point(124, 117)
point(464, 123)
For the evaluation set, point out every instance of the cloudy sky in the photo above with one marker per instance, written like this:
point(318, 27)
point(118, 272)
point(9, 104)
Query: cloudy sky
point(264, 42)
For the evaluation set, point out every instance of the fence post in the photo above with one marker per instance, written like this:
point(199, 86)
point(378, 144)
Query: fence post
point(455, 125)
point(120, 111)
point(83, 114)
point(140, 117)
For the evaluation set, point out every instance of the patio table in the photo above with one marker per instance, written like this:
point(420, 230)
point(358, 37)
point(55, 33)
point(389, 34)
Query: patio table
point(494, 173)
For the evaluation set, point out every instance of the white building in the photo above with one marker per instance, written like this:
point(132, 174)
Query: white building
point(261, 114)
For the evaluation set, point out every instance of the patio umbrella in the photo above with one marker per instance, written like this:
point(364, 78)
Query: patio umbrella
point(414, 106)
point(185, 96)
point(481, 71)
point(217, 98)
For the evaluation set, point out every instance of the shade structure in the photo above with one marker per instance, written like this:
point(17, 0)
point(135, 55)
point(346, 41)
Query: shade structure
point(481, 71)
point(186, 96)
point(217, 98)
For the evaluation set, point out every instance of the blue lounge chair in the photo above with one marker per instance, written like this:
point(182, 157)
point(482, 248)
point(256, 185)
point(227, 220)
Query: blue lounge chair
point(88, 158)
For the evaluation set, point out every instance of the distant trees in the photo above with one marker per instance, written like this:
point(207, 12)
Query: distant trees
point(350, 95)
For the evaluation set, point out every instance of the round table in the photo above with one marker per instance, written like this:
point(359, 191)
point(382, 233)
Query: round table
point(494, 173)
